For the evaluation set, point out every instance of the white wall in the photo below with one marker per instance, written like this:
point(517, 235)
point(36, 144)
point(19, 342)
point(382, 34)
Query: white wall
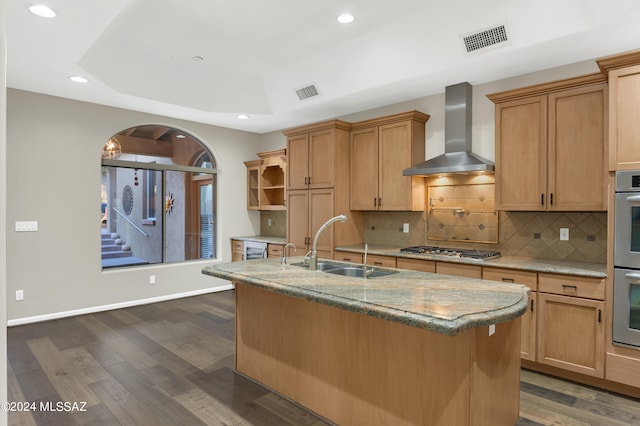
point(53, 177)
point(3, 198)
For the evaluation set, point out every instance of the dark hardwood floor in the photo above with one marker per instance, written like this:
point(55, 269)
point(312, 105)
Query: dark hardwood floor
point(171, 363)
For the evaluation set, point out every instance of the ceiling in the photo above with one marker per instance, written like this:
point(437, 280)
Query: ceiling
point(255, 54)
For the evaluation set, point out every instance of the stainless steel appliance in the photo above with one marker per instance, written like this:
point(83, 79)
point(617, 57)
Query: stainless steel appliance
point(255, 250)
point(452, 252)
point(626, 259)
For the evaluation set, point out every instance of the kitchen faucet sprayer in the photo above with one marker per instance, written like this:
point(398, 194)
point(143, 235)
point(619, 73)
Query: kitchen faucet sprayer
point(313, 259)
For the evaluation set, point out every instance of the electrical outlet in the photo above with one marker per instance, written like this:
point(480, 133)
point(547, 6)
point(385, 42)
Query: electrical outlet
point(564, 234)
point(27, 226)
point(269, 222)
point(405, 228)
point(152, 279)
point(19, 294)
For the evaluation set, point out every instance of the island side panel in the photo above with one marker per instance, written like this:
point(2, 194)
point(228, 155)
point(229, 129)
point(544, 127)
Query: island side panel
point(496, 375)
point(353, 368)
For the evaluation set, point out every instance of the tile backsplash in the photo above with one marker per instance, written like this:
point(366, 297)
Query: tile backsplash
point(273, 223)
point(528, 234)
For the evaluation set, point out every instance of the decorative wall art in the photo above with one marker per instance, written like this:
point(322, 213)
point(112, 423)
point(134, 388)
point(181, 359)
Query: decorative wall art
point(168, 205)
point(127, 200)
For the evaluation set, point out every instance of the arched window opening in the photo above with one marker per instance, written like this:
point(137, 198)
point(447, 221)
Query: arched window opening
point(158, 192)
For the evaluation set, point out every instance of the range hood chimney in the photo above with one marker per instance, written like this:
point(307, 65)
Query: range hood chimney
point(457, 157)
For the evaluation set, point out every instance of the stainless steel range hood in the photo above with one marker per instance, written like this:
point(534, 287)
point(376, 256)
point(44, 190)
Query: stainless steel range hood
point(457, 157)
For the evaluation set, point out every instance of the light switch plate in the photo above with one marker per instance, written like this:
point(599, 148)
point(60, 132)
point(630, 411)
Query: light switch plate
point(405, 228)
point(27, 226)
point(564, 234)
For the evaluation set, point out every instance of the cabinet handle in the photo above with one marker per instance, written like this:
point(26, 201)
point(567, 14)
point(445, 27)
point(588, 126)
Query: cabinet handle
point(377, 263)
point(346, 259)
point(551, 198)
point(375, 202)
point(531, 305)
point(379, 202)
point(306, 180)
point(570, 287)
point(309, 180)
point(600, 315)
point(542, 199)
point(507, 280)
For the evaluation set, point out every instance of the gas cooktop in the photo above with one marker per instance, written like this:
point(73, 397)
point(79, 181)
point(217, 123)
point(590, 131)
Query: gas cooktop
point(454, 252)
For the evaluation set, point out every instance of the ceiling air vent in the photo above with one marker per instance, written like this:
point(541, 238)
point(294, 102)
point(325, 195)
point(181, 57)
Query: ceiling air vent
point(485, 38)
point(307, 92)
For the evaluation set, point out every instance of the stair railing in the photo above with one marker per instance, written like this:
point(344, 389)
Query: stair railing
point(122, 215)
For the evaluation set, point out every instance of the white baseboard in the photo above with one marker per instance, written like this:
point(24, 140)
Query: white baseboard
point(128, 304)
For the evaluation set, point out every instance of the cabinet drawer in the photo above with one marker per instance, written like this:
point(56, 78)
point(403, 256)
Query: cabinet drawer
point(528, 278)
point(416, 264)
point(459, 269)
point(237, 245)
point(348, 257)
point(375, 260)
point(570, 285)
point(274, 250)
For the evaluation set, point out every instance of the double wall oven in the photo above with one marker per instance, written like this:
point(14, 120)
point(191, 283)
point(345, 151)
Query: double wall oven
point(626, 259)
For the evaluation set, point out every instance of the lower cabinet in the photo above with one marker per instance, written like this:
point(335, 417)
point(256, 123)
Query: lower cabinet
point(376, 260)
point(416, 264)
point(571, 333)
point(237, 250)
point(528, 321)
point(274, 250)
point(459, 269)
point(347, 257)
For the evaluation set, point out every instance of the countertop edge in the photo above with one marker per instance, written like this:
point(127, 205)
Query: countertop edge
point(438, 325)
point(506, 262)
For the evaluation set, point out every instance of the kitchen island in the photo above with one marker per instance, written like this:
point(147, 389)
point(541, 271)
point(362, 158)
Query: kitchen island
point(406, 348)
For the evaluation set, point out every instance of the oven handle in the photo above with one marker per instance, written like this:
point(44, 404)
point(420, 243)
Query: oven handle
point(633, 198)
point(633, 276)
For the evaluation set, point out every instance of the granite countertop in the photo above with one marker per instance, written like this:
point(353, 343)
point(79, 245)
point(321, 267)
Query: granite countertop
point(441, 303)
point(594, 270)
point(263, 239)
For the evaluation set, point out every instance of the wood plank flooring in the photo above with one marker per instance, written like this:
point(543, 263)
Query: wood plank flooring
point(171, 363)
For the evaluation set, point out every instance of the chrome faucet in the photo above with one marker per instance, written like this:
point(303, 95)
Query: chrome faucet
point(366, 272)
point(313, 259)
point(283, 261)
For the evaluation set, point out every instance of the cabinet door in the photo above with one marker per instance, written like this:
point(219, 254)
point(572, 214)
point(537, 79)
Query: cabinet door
point(377, 260)
point(395, 156)
point(624, 126)
point(321, 210)
point(298, 219)
point(253, 185)
point(571, 334)
point(321, 158)
point(416, 264)
point(459, 269)
point(364, 169)
point(528, 323)
point(521, 156)
point(576, 149)
point(297, 161)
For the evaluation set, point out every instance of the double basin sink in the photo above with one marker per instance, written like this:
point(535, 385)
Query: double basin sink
point(349, 270)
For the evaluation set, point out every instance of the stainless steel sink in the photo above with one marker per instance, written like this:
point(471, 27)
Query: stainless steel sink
point(359, 272)
point(322, 266)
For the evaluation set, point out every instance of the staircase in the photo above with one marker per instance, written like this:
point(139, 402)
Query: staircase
point(115, 253)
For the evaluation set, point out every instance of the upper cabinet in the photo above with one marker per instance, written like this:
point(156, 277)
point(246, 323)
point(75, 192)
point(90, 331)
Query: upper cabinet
point(550, 146)
point(311, 154)
point(624, 108)
point(266, 181)
point(380, 150)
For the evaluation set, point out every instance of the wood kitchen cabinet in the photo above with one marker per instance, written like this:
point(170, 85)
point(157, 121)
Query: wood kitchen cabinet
point(550, 146)
point(237, 250)
point(312, 154)
point(318, 186)
point(624, 103)
point(571, 328)
point(528, 321)
point(380, 150)
point(266, 181)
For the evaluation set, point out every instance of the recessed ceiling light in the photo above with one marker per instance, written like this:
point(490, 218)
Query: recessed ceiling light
point(78, 79)
point(243, 116)
point(42, 10)
point(346, 18)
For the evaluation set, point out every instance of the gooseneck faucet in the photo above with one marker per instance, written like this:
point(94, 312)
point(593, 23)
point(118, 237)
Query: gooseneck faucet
point(283, 261)
point(313, 259)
